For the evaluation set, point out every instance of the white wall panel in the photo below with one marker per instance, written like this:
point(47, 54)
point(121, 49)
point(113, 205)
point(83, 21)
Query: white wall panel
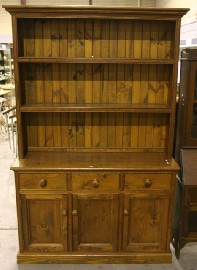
point(192, 4)
point(188, 22)
point(133, 3)
point(5, 21)
point(57, 2)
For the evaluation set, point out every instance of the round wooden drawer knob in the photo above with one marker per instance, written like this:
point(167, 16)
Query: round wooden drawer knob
point(147, 183)
point(43, 183)
point(95, 183)
point(74, 213)
point(126, 212)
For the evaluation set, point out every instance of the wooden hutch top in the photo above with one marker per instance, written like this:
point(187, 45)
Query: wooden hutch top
point(40, 71)
point(99, 11)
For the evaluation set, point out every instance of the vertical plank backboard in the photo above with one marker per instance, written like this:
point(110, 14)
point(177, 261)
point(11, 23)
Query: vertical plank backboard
point(80, 38)
point(146, 40)
point(105, 39)
point(137, 39)
point(88, 38)
point(97, 38)
point(113, 38)
point(40, 96)
point(121, 38)
point(63, 26)
point(129, 36)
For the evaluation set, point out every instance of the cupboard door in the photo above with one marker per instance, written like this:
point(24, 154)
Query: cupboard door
point(145, 221)
point(191, 121)
point(189, 220)
point(44, 222)
point(95, 222)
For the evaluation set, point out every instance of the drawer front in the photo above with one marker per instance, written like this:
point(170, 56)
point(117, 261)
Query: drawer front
point(43, 181)
point(95, 181)
point(147, 181)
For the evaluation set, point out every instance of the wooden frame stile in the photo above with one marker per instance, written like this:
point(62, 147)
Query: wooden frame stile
point(19, 215)
point(174, 84)
point(21, 139)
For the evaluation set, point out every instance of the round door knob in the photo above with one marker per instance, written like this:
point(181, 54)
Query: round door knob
point(147, 183)
point(126, 212)
point(95, 183)
point(74, 213)
point(64, 212)
point(43, 183)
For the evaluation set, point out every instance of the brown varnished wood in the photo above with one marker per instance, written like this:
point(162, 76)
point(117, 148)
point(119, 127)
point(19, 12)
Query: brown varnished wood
point(95, 182)
point(102, 258)
point(34, 181)
point(95, 105)
point(42, 223)
point(138, 181)
point(95, 60)
point(101, 211)
point(143, 232)
point(85, 161)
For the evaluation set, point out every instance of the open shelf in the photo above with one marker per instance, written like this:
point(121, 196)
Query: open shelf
point(94, 60)
point(57, 107)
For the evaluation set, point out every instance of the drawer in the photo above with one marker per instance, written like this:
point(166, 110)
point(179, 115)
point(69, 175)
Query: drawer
point(95, 181)
point(43, 181)
point(147, 181)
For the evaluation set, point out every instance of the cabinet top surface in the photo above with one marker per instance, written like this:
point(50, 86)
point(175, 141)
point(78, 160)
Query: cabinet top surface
point(103, 10)
point(189, 54)
point(95, 161)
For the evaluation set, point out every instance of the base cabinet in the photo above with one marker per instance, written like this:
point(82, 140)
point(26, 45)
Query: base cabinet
point(120, 215)
point(189, 218)
point(185, 222)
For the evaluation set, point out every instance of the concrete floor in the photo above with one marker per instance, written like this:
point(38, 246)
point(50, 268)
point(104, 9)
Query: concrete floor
point(9, 238)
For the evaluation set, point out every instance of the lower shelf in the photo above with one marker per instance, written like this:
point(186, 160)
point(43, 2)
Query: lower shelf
point(76, 258)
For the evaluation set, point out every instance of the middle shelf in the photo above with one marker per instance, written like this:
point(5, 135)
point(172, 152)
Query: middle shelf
point(147, 85)
point(90, 107)
point(96, 60)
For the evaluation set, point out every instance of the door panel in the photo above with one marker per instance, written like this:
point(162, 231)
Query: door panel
point(95, 222)
point(44, 222)
point(145, 221)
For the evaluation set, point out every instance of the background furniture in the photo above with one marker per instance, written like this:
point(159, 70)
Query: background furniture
point(189, 200)
point(11, 127)
point(6, 64)
point(185, 228)
point(96, 91)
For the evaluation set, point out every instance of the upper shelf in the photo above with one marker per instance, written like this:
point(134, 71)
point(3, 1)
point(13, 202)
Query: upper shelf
point(80, 39)
point(93, 60)
point(57, 107)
